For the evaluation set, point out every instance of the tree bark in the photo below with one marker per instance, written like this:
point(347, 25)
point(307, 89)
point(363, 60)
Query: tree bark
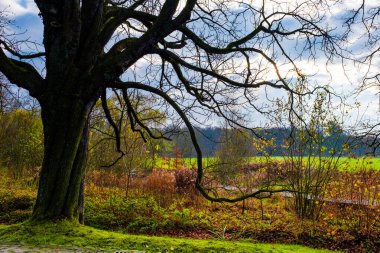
point(82, 153)
point(81, 200)
point(66, 138)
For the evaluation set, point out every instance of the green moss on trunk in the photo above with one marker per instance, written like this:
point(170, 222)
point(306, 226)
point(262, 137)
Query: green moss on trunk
point(66, 140)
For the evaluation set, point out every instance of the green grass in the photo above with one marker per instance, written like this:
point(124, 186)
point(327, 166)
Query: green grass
point(350, 164)
point(362, 162)
point(67, 234)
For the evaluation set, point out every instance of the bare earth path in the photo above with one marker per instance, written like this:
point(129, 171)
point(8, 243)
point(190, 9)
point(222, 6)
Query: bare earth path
point(20, 248)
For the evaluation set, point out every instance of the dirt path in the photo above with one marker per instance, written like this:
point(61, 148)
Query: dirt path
point(20, 248)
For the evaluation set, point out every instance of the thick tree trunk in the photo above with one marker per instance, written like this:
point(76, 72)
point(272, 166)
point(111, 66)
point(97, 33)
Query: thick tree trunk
point(81, 200)
point(66, 139)
point(82, 153)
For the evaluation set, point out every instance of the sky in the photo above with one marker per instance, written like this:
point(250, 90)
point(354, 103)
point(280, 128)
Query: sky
point(343, 79)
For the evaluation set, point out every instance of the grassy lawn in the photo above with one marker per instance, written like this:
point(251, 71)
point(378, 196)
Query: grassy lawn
point(350, 164)
point(78, 236)
point(363, 162)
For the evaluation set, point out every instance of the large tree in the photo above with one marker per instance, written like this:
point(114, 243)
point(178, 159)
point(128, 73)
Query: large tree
point(198, 57)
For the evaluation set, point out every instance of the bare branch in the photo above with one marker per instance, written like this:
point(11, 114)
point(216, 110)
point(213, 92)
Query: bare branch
point(22, 74)
point(17, 54)
point(176, 107)
point(111, 121)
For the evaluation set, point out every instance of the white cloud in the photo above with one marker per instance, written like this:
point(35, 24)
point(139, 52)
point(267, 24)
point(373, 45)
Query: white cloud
point(16, 8)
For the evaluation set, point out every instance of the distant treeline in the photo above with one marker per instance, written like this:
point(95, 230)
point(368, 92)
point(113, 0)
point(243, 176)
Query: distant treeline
point(209, 140)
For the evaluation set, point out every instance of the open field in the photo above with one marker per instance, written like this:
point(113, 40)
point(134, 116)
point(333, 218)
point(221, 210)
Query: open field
point(346, 163)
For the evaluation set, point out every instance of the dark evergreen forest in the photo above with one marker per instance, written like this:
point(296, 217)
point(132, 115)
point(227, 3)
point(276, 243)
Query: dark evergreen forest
point(210, 140)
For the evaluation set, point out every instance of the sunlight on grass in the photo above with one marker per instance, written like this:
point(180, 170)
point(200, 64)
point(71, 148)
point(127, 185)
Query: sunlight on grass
point(67, 234)
point(348, 164)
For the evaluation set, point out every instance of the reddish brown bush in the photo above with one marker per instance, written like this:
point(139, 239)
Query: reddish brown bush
point(185, 185)
point(160, 184)
point(106, 178)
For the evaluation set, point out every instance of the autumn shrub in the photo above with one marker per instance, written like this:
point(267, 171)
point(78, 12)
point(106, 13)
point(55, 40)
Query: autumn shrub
point(354, 200)
point(160, 184)
point(272, 168)
point(106, 178)
point(185, 184)
point(175, 161)
point(264, 173)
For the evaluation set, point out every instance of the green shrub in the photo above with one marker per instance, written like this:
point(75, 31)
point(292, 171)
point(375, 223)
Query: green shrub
point(15, 205)
point(117, 213)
